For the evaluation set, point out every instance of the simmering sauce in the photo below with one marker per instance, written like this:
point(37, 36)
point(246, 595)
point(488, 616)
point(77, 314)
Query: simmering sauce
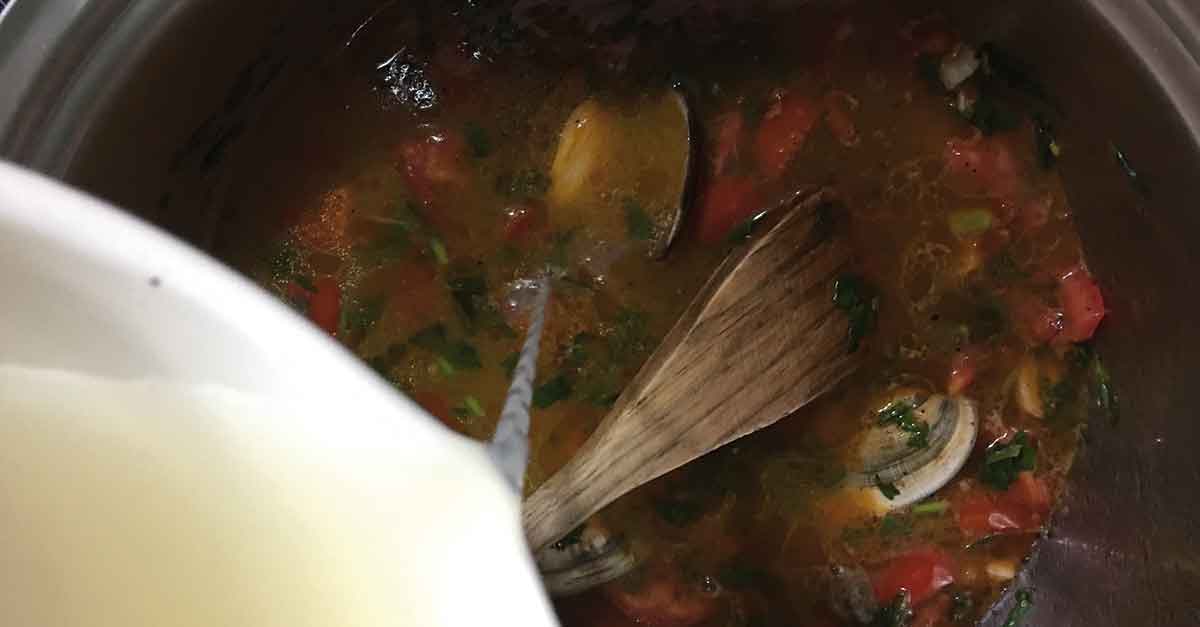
point(407, 194)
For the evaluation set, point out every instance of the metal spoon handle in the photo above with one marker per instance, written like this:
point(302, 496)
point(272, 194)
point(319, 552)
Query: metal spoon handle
point(509, 448)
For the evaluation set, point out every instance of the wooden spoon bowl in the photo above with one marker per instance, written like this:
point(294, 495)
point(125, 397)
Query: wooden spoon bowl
point(762, 339)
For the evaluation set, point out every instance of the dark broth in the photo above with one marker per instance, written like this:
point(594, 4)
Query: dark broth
point(403, 192)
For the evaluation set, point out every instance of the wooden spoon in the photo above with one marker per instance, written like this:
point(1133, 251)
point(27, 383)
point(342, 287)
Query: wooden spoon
point(761, 339)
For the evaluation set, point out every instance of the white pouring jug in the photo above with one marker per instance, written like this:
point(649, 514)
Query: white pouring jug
point(178, 449)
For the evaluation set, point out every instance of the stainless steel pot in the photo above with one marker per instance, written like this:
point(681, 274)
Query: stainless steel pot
point(143, 101)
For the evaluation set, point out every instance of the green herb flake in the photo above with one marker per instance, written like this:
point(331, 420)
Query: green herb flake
point(431, 338)
point(902, 415)
point(478, 140)
point(602, 392)
point(450, 356)
point(551, 392)
point(888, 490)
point(1104, 396)
point(893, 525)
point(390, 246)
point(304, 282)
point(285, 263)
point(463, 356)
point(1004, 461)
point(1046, 145)
point(931, 508)
point(968, 223)
point(1003, 267)
point(629, 334)
point(860, 303)
point(438, 248)
point(1020, 609)
point(469, 409)
point(360, 315)
point(637, 221)
point(962, 607)
point(470, 293)
point(577, 352)
point(990, 116)
point(570, 539)
point(898, 613)
point(1056, 396)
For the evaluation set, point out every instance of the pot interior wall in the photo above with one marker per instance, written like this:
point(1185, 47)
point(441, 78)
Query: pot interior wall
point(1125, 549)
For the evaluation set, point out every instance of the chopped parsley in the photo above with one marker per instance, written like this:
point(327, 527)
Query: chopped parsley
point(1004, 267)
point(902, 415)
point(860, 302)
point(478, 140)
point(470, 294)
point(577, 352)
point(396, 237)
point(570, 539)
point(1056, 396)
point(1046, 145)
point(1020, 609)
point(551, 392)
point(601, 390)
point(894, 525)
point(968, 223)
point(888, 490)
point(931, 508)
point(961, 606)
point(991, 116)
point(1104, 397)
point(305, 282)
point(1004, 461)
point(438, 248)
point(285, 264)
point(450, 356)
point(359, 315)
point(637, 222)
point(898, 613)
point(629, 335)
point(469, 409)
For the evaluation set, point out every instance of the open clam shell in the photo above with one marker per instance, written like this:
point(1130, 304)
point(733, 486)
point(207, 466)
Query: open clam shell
point(889, 456)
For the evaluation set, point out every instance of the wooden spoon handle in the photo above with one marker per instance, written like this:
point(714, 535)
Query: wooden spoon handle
point(762, 339)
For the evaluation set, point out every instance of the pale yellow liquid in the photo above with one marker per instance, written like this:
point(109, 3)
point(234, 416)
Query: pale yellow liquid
point(126, 504)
